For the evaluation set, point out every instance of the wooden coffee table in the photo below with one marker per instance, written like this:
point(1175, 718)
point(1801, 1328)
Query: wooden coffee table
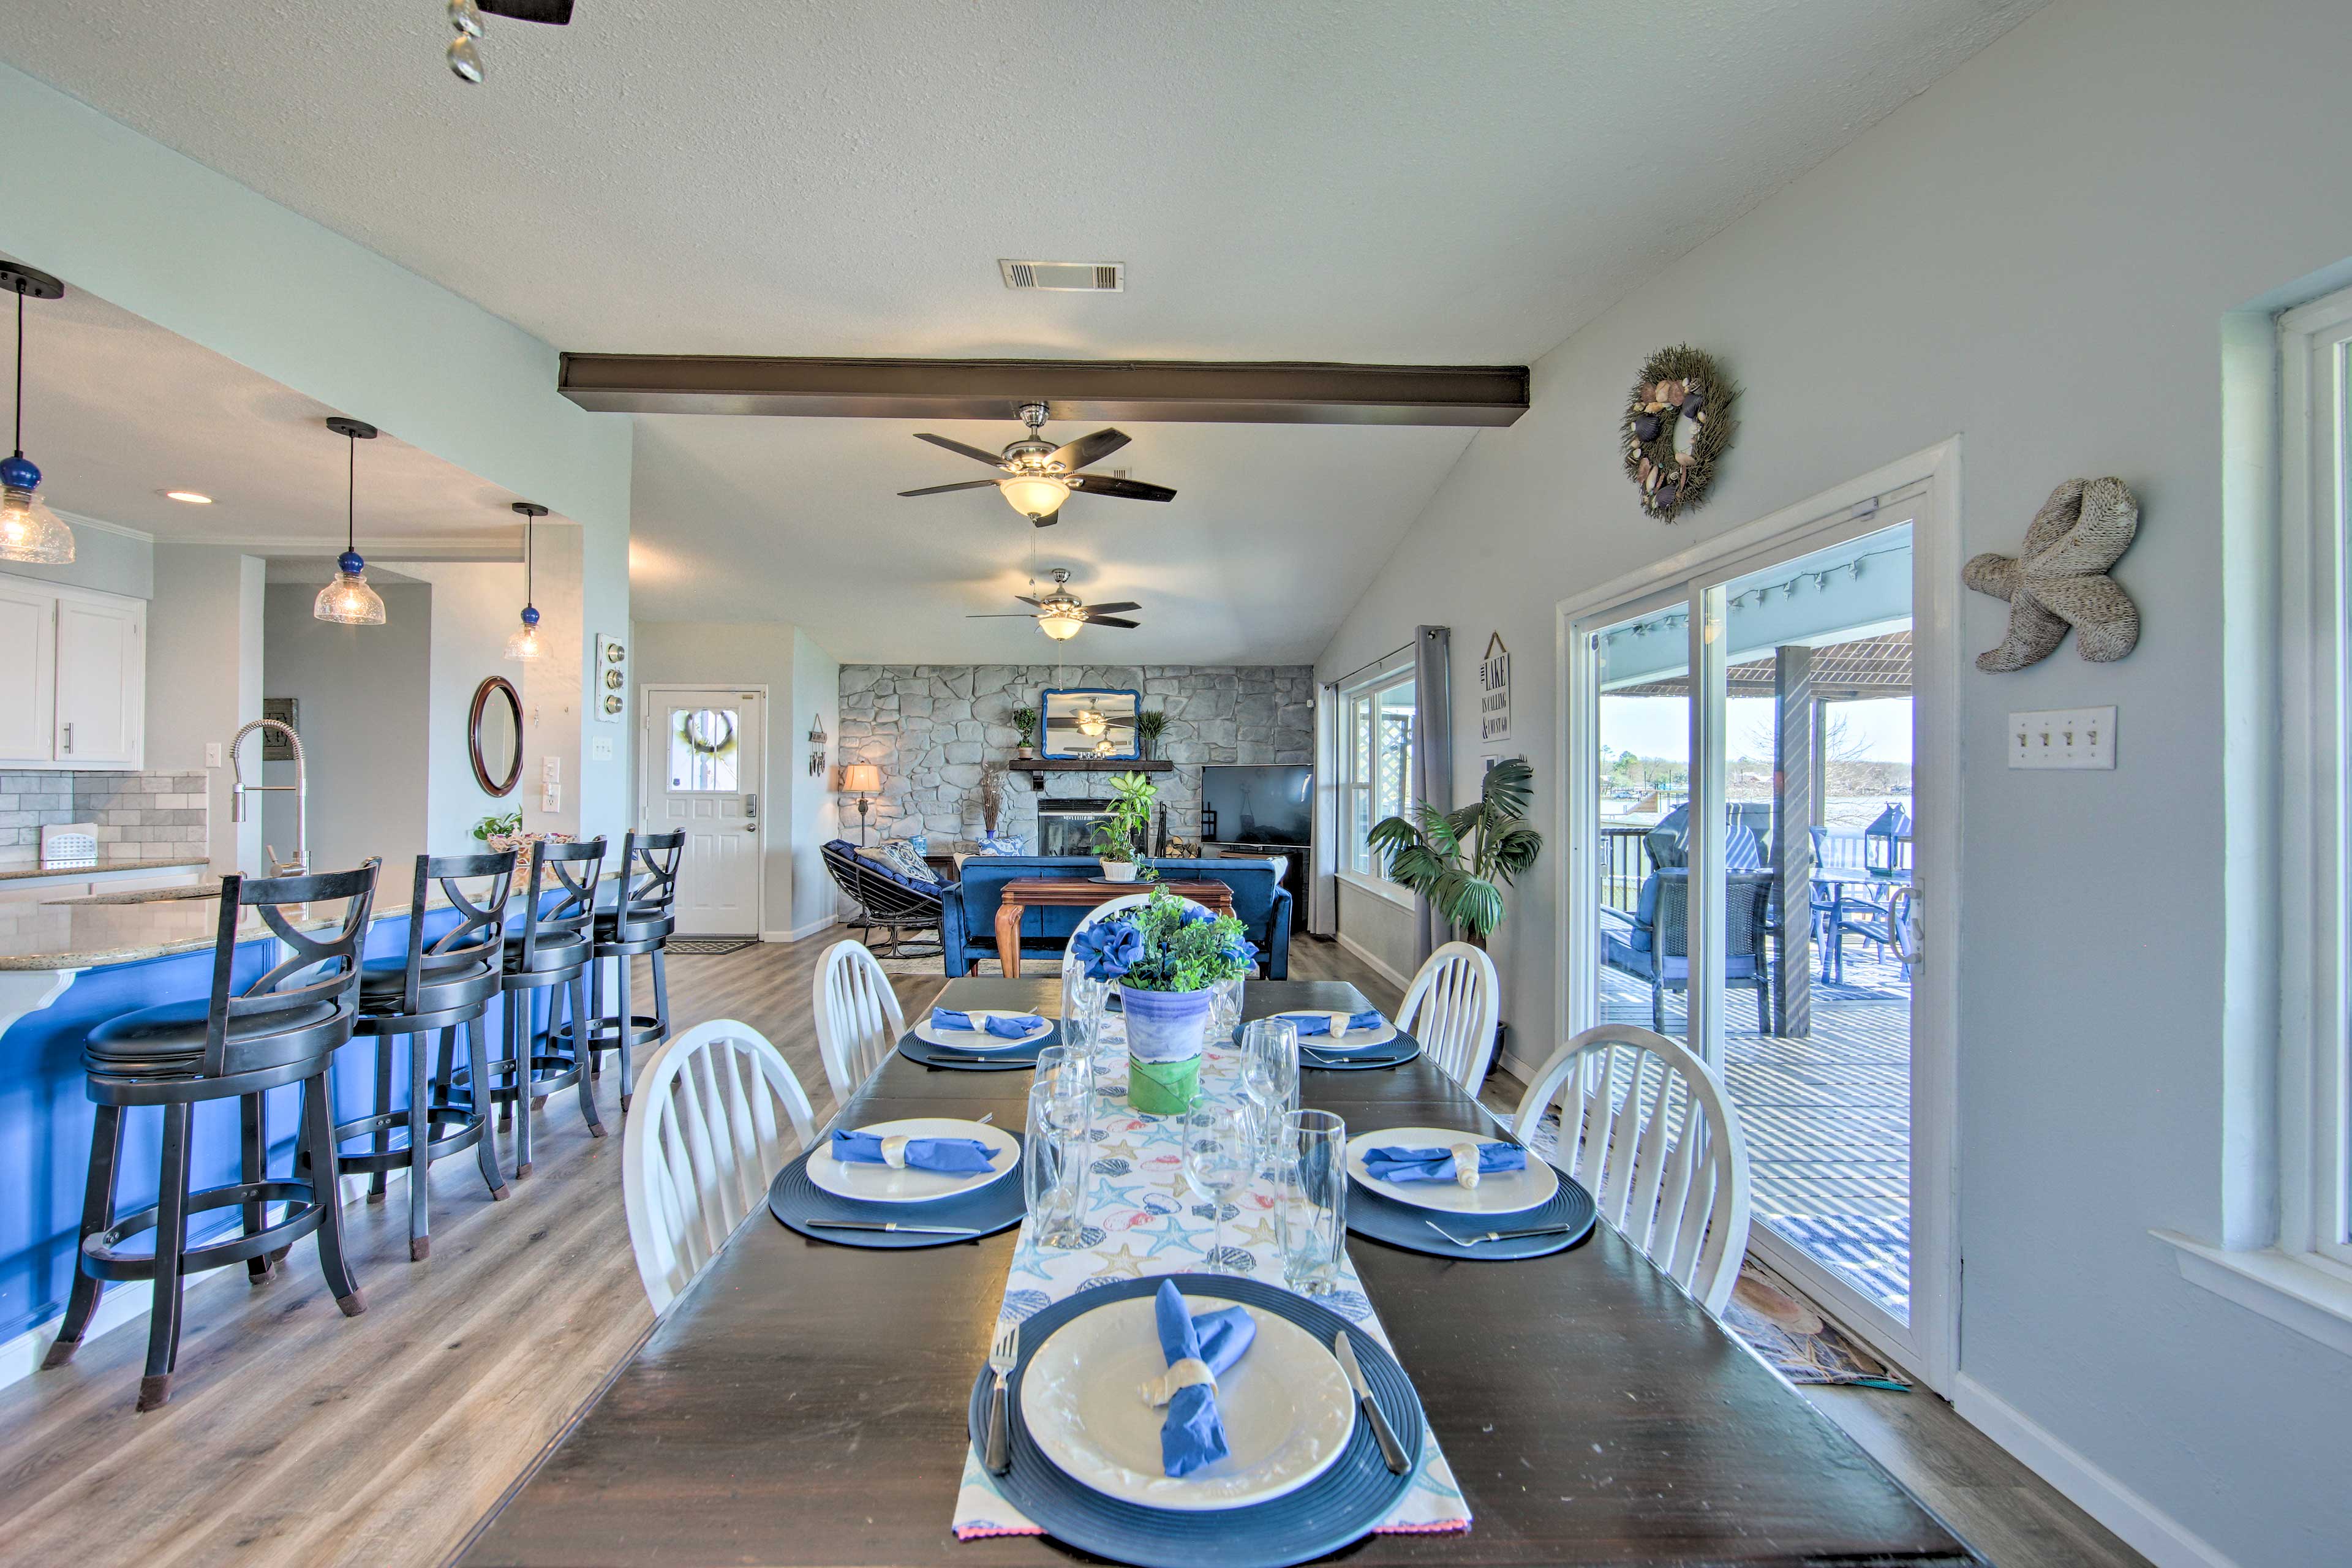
point(1077, 893)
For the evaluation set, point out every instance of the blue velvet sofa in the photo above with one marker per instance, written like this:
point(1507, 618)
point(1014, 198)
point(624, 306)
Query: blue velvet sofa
point(967, 916)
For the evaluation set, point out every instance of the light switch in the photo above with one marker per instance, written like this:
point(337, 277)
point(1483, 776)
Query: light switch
point(212, 753)
point(2062, 738)
point(601, 749)
point(550, 770)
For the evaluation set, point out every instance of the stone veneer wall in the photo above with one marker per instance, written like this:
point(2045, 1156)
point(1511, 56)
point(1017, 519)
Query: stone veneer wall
point(140, 817)
point(933, 727)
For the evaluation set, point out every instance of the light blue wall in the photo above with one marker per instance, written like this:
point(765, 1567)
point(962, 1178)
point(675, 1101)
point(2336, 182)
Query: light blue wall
point(110, 561)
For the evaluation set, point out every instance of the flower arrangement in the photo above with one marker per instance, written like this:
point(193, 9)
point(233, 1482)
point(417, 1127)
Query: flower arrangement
point(1167, 955)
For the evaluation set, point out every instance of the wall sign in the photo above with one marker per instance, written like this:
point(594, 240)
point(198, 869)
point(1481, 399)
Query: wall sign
point(1495, 692)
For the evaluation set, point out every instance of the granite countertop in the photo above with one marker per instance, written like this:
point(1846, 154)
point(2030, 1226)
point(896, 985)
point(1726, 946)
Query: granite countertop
point(98, 868)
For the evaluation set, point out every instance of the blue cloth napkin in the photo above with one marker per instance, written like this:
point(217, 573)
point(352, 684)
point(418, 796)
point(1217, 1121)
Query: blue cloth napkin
point(1313, 1024)
point(955, 1156)
point(1437, 1164)
point(1192, 1436)
point(1004, 1028)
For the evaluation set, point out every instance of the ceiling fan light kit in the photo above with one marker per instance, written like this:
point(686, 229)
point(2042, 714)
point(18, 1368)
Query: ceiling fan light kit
point(1061, 613)
point(1039, 476)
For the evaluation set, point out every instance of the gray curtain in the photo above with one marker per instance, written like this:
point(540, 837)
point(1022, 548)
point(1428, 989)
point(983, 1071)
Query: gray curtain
point(1321, 917)
point(1433, 757)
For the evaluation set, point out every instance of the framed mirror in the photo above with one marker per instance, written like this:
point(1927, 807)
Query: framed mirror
point(1098, 725)
point(494, 735)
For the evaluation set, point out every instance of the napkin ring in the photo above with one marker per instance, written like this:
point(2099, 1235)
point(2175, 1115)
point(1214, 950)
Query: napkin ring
point(1190, 1373)
point(894, 1153)
point(1466, 1163)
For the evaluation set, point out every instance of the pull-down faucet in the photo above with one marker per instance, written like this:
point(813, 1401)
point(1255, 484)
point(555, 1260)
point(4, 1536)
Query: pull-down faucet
point(301, 865)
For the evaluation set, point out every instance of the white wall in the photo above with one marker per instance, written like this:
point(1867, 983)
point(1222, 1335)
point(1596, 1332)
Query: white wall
point(362, 691)
point(107, 556)
point(2036, 254)
point(204, 635)
point(816, 697)
point(474, 606)
point(555, 704)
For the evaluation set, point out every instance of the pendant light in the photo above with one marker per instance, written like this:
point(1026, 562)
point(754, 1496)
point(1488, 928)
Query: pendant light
point(525, 644)
point(347, 601)
point(29, 530)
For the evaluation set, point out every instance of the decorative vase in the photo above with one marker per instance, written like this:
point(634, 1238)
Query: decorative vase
point(1165, 1031)
point(1118, 870)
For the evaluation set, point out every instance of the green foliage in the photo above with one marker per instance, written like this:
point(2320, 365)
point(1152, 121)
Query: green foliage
point(1461, 860)
point(1149, 726)
point(1025, 721)
point(1185, 949)
point(489, 826)
point(1121, 835)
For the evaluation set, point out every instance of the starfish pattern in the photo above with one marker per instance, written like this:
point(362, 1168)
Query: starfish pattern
point(2059, 578)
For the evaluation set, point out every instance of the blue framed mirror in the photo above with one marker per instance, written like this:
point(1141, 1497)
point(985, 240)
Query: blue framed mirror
point(1091, 725)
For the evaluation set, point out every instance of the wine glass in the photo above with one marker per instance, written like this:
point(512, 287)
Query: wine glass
point(1270, 1073)
point(1219, 1158)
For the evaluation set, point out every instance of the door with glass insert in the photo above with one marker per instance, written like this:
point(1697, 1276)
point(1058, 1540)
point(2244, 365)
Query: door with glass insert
point(702, 752)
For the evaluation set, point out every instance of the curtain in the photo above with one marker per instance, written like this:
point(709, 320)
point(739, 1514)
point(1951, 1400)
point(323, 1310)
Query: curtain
point(1432, 758)
point(1321, 915)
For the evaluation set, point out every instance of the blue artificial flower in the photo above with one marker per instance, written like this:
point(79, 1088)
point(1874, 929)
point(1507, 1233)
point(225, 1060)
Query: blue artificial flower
point(1193, 915)
point(1108, 948)
point(1242, 951)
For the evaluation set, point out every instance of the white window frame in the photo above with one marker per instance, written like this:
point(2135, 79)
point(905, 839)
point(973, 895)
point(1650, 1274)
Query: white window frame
point(1392, 671)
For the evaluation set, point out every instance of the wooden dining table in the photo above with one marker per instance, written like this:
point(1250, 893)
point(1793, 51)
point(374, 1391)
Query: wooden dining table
point(803, 1403)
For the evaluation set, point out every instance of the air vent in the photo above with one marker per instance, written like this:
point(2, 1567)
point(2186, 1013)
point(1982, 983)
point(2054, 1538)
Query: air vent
point(1071, 277)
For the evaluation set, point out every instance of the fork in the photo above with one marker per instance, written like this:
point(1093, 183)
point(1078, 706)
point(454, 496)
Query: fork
point(1468, 1241)
point(1003, 1351)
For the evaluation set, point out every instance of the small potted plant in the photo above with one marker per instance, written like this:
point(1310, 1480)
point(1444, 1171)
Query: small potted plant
point(1149, 726)
point(1025, 721)
point(1168, 958)
point(504, 835)
point(1125, 826)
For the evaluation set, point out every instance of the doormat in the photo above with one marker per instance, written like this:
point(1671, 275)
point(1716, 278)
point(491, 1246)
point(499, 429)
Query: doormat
point(1801, 1341)
point(709, 946)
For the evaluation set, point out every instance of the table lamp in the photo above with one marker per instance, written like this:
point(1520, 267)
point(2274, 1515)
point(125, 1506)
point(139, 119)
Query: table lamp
point(863, 779)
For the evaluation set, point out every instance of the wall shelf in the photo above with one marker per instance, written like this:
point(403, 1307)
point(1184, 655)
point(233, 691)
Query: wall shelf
point(1038, 767)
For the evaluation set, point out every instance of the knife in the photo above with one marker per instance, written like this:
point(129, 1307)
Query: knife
point(1391, 1450)
point(892, 1225)
point(1504, 1235)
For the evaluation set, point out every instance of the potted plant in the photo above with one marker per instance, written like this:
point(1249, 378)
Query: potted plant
point(1125, 827)
point(1168, 957)
point(504, 835)
point(1149, 726)
point(1025, 721)
point(1461, 860)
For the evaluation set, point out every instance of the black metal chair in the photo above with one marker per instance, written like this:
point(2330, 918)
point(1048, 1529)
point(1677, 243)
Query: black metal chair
point(283, 1029)
point(885, 899)
point(1658, 949)
point(442, 984)
point(640, 921)
point(550, 955)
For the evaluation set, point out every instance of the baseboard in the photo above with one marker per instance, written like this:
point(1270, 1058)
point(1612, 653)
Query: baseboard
point(2145, 1527)
point(814, 928)
point(1392, 976)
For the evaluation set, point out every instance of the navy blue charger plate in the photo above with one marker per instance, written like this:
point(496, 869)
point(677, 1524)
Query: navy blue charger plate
point(796, 1201)
point(1387, 1054)
point(916, 1049)
point(1335, 1509)
point(1385, 1220)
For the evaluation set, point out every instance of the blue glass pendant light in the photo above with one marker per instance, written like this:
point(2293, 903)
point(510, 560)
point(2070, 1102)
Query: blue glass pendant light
point(347, 601)
point(525, 644)
point(29, 530)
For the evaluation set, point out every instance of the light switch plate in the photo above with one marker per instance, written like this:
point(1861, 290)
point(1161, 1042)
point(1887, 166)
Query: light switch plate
point(601, 748)
point(2062, 738)
point(212, 753)
point(551, 769)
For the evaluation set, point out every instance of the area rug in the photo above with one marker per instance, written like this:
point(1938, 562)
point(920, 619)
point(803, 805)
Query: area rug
point(931, 967)
point(1797, 1339)
point(709, 946)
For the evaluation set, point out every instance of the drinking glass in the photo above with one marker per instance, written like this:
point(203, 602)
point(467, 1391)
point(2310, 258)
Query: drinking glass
point(1270, 1075)
point(1220, 1156)
point(1070, 1071)
point(1055, 1155)
point(1311, 1192)
point(1225, 1008)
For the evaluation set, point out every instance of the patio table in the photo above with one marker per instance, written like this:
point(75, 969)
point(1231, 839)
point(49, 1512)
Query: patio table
point(1838, 879)
point(804, 1404)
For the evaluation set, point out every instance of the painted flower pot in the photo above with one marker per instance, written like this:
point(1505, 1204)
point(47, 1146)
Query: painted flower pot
point(1165, 1031)
point(1118, 870)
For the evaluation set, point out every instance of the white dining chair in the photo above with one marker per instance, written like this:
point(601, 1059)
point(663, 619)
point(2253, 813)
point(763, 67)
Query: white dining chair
point(704, 1140)
point(858, 1021)
point(1644, 1127)
point(1453, 1008)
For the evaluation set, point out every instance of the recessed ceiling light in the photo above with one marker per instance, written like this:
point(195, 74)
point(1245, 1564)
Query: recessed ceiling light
point(194, 498)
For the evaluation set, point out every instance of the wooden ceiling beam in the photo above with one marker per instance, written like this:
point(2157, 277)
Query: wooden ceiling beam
point(1146, 390)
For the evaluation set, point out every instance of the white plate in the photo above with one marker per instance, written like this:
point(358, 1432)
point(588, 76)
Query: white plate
point(978, 1039)
point(881, 1184)
point(1285, 1404)
point(1511, 1191)
point(1347, 1040)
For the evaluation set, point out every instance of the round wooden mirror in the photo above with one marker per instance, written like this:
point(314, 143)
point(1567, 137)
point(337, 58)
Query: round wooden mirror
point(495, 735)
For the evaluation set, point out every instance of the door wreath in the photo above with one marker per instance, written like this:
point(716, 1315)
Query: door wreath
point(1678, 422)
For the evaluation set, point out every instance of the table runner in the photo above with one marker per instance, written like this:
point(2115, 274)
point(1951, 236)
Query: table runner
point(1142, 1221)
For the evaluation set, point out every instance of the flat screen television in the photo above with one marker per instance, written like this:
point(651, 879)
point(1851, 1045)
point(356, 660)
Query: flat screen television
point(1258, 803)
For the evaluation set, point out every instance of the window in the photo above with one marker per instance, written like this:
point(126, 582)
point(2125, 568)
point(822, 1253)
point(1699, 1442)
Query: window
point(1375, 761)
point(702, 750)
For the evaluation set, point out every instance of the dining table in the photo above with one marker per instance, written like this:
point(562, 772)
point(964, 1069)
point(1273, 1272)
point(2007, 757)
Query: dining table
point(805, 1404)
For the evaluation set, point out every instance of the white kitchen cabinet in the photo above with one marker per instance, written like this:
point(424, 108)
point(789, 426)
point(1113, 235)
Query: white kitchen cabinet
point(73, 676)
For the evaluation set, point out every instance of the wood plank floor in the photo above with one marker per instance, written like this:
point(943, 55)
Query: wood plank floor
point(297, 1437)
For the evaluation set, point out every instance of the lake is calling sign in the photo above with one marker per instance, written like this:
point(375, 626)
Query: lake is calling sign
point(1494, 691)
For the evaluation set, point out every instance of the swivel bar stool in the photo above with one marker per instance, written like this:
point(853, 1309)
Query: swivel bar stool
point(442, 984)
point(283, 1029)
point(550, 955)
point(640, 921)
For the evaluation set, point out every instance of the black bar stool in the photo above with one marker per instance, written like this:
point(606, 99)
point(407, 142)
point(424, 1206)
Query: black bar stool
point(550, 955)
point(283, 1029)
point(640, 921)
point(445, 984)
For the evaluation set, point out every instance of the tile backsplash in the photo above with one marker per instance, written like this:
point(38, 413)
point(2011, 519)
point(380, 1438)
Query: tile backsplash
point(140, 817)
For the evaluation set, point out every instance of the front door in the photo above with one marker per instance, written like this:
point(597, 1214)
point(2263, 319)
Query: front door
point(701, 754)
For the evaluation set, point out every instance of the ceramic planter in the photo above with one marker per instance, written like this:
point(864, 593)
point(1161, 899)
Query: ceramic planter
point(1165, 1031)
point(1118, 870)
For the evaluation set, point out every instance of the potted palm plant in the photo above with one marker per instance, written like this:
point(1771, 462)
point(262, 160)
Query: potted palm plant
point(1124, 829)
point(1168, 957)
point(1462, 860)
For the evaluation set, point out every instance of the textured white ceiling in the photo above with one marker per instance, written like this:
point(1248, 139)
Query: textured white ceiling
point(1431, 180)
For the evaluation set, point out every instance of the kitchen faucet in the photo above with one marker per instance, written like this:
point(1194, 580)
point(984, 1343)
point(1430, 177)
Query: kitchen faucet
point(301, 865)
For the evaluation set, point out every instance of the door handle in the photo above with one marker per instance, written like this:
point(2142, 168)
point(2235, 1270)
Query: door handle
point(68, 735)
point(752, 812)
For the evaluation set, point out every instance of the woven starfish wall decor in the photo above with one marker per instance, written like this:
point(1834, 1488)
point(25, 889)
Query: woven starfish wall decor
point(2059, 579)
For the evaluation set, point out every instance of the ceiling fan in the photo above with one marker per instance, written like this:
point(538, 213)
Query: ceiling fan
point(1061, 613)
point(1039, 476)
point(466, 18)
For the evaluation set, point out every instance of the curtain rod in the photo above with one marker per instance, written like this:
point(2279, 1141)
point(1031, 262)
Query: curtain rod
point(1369, 663)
